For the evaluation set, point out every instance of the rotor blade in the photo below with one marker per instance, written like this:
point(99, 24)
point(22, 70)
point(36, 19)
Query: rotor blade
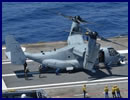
point(69, 17)
point(104, 39)
point(83, 21)
point(93, 23)
point(88, 30)
point(80, 19)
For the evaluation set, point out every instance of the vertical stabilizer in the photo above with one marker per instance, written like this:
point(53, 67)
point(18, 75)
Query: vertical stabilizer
point(14, 51)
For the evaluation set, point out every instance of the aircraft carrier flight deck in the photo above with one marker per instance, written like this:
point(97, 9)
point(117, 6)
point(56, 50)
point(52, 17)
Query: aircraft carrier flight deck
point(66, 85)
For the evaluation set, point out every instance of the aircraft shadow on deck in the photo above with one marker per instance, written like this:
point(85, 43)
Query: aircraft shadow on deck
point(20, 74)
point(98, 75)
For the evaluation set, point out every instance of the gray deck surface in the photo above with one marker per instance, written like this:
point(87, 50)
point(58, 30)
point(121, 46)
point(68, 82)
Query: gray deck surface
point(51, 78)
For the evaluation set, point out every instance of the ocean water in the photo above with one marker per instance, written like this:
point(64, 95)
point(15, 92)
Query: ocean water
point(32, 22)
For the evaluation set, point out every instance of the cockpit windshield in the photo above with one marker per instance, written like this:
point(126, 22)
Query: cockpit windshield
point(112, 51)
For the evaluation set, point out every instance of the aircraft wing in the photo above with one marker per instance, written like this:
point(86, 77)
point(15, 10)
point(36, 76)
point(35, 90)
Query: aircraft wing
point(79, 50)
point(75, 39)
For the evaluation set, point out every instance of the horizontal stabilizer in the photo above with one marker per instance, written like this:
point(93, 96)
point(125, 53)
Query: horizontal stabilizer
point(14, 51)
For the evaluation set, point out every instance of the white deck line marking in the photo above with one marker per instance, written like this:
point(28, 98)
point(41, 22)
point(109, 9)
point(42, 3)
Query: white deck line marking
point(13, 74)
point(23, 48)
point(80, 94)
point(88, 84)
point(4, 87)
point(3, 63)
point(89, 94)
point(5, 60)
point(3, 48)
point(122, 51)
point(69, 83)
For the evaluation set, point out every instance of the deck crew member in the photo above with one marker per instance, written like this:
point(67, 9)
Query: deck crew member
point(117, 91)
point(26, 70)
point(40, 70)
point(113, 92)
point(106, 91)
point(84, 90)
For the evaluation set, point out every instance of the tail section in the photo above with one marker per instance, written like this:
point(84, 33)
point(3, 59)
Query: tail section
point(75, 36)
point(14, 51)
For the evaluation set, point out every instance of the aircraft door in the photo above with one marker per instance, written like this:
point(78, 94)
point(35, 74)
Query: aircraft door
point(101, 56)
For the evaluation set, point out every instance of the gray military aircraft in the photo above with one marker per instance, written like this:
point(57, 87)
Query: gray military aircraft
point(76, 55)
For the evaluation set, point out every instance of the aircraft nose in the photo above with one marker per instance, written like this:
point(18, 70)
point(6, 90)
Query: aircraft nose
point(122, 58)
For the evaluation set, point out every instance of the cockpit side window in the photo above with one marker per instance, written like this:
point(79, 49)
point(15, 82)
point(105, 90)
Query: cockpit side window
point(112, 52)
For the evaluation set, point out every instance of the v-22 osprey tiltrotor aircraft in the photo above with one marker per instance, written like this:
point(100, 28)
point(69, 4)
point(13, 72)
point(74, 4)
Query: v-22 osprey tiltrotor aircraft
point(78, 54)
